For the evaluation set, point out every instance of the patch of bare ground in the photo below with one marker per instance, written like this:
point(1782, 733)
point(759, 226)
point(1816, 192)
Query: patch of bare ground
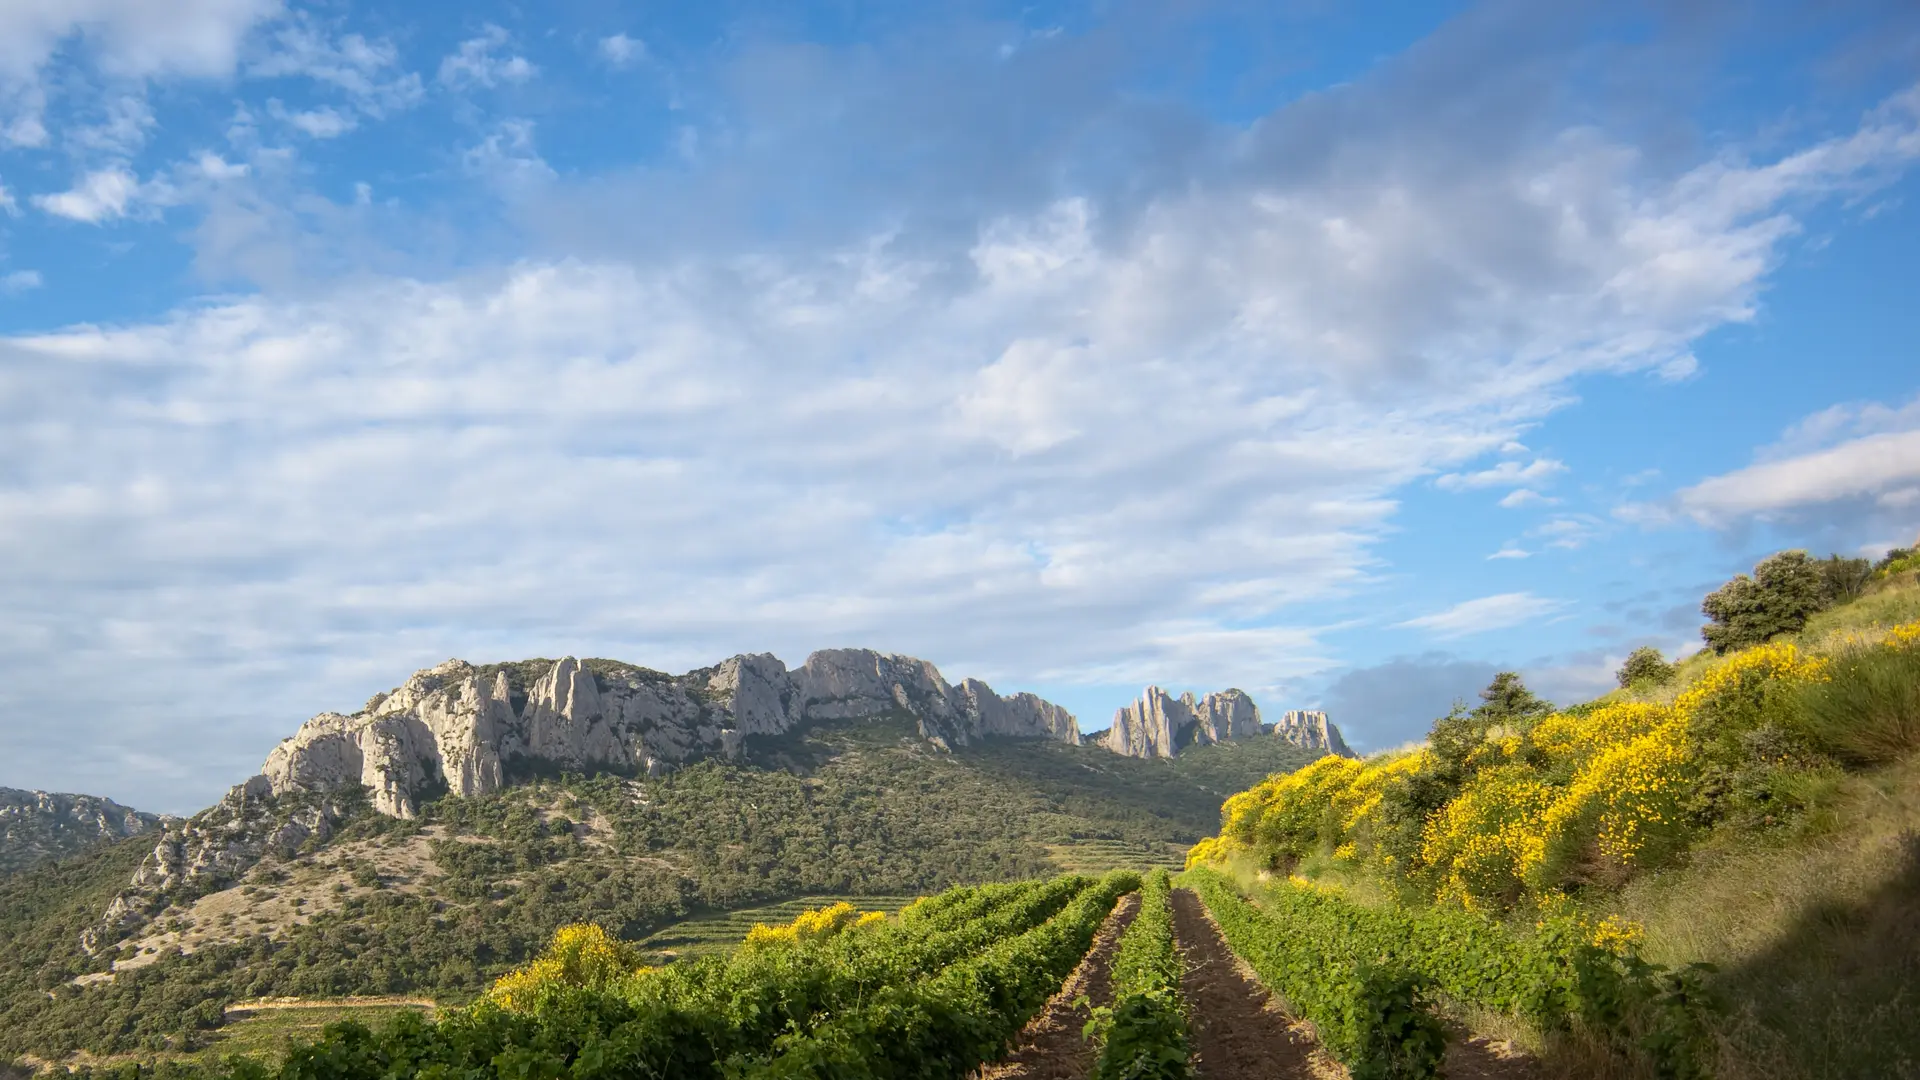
point(1051, 1047)
point(1477, 1057)
point(241, 1009)
point(277, 895)
point(1237, 1029)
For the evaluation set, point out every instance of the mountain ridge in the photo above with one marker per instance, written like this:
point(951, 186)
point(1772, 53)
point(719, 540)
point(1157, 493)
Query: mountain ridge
point(37, 825)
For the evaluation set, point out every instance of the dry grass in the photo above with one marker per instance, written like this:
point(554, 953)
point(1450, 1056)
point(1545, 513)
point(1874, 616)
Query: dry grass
point(1818, 940)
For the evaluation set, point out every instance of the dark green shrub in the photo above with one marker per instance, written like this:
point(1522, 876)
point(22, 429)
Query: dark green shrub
point(1645, 666)
point(1786, 589)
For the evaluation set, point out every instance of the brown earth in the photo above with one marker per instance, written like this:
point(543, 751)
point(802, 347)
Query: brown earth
point(1051, 1047)
point(1238, 1030)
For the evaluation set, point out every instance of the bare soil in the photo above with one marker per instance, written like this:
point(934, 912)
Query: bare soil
point(1238, 1031)
point(1051, 1047)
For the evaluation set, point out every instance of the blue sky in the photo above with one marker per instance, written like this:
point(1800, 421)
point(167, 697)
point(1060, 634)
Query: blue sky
point(1343, 356)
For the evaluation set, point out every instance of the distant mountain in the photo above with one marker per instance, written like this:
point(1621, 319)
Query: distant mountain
point(37, 825)
point(1160, 725)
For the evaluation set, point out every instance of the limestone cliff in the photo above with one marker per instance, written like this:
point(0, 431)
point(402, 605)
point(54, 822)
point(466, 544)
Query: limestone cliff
point(1161, 725)
point(1311, 730)
point(36, 825)
point(458, 728)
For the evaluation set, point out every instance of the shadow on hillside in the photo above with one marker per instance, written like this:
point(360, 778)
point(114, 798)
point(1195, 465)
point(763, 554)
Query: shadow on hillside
point(1839, 995)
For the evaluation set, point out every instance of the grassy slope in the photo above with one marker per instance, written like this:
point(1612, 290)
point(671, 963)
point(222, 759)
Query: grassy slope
point(863, 810)
point(1816, 931)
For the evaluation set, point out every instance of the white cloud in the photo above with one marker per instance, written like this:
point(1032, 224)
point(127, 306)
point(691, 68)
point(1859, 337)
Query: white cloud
point(325, 122)
point(1511, 551)
point(1569, 531)
point(1521, 497)
point(19, 281)
point(1505, 474)
point(8, 205)
point(216, 168)
point(474, 63)
point(365, 70)
point(123, 39)
point(101, 195)
point(1883, 467)
point(621, 50)
point(507, 158)
point(121, 133)
point(131, 38)
point(1484, 614)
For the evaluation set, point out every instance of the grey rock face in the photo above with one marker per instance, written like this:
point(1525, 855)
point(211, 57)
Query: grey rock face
point(36, 825)
point(456, 727)
point(1161, 725)
point(1310, 729)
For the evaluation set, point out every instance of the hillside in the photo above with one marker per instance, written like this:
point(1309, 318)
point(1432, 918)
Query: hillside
point(40, 825)
point(1745, 821)
point(438, 905)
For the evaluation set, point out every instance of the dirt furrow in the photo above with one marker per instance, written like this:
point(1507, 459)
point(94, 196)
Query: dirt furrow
point(1051, 1047)
point(1236, 1031)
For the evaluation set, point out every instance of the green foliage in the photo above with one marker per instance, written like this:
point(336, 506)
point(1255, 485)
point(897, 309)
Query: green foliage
point(1896, 561)
point(1506, 700)
point(1843, 579)
point(947, 1024)
point(1867, 711)
point(1645, 667)
point(1368, 1007)
point(1786, 589)
point(1144, 1032)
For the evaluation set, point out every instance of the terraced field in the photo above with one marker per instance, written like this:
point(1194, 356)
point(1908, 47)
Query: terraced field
point(1099, 856)
point(718, 932)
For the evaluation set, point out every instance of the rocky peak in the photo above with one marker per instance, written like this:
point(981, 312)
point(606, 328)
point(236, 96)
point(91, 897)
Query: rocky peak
point(1161, 725)
point(1310, 729)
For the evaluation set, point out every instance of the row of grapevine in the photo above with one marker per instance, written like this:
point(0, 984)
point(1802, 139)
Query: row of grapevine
point(695, 1019)
point(948, 1023)
point(1365, 1004)
point(1556, 978)
point(1144, 1032)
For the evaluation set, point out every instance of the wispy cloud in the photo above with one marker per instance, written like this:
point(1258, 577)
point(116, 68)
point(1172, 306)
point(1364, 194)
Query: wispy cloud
point(474, 63)
point(621, 50)
point(1487, 613)
point(1505, 474)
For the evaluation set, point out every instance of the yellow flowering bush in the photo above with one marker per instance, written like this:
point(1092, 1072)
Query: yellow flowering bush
point(813, 924)
point(1903, 636)
point(1479, 842)
point(1624, 808)
point(581, 957)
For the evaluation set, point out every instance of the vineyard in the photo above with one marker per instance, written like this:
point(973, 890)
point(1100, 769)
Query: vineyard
point(955, 983)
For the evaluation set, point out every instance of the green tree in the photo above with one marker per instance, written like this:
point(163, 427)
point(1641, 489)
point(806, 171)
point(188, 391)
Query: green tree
point(1507, 700)
point(1644, 665)
point(1786, 589)
point(1844, 578)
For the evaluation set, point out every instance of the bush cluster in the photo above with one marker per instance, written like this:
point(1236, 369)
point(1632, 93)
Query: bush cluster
point(1491, 814)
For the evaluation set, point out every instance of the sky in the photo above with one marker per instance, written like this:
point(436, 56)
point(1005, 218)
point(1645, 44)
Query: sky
point(1344, 356)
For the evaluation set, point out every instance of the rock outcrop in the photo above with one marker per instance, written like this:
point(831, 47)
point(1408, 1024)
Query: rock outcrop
point(212, 849)
point(1310, 730)
point(460, 728)
point(36, 825)
point(1161, 725)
